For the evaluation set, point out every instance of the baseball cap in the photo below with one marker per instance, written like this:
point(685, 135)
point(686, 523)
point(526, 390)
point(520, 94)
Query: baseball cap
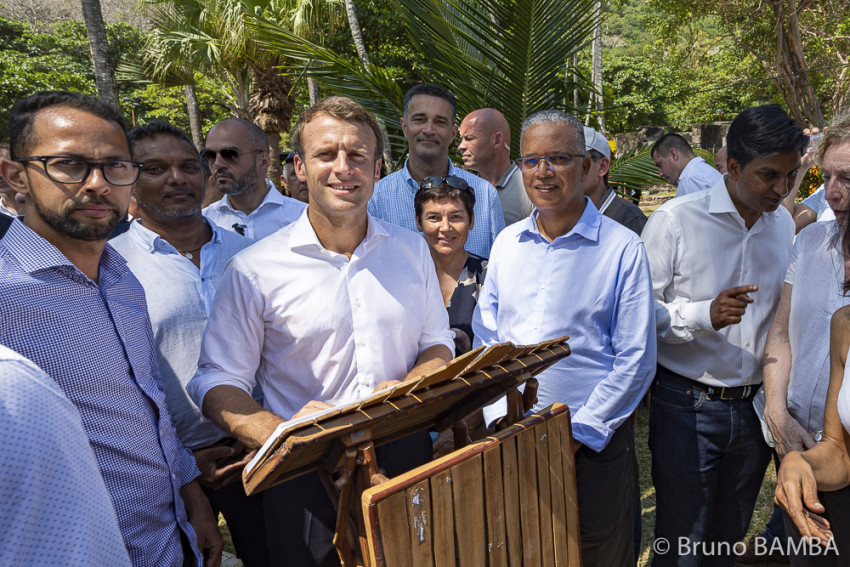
point(593, 140)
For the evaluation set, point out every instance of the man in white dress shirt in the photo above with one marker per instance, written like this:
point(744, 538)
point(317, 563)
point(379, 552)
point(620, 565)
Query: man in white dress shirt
point(677, 163)
point(321, 313)
point(237, 152)
point(718, 259)
point(179, 256)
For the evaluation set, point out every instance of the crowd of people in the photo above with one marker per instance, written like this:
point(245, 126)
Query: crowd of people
point(144, 357)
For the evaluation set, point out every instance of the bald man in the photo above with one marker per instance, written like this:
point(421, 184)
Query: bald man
point(485, 146)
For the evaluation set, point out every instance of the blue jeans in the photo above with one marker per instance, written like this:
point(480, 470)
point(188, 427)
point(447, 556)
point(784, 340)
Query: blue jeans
point(708, 462)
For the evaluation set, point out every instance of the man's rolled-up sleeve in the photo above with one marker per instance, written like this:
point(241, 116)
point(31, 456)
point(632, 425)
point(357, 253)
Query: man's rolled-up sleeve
point(233, 339)
point(633, 341)
point(677, 321)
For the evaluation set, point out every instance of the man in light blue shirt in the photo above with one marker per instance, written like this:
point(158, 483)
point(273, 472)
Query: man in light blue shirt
point(568, 270)
point(429, 125)
point(56, 507)
point(179, 256)
point(677, 163)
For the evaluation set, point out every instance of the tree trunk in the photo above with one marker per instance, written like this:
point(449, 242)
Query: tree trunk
point(597, 67)
point(275, 169)
point(312, 90)
point(363, 56)
point(356, 34)
point(193, 108)
point(792, 75)
point(104, 77)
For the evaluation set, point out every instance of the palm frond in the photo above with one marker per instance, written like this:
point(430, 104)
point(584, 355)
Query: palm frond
point(634, 170)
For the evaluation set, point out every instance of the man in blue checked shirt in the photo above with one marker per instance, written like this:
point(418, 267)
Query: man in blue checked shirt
point(71, 305)
point(430, 113)
point(568, 270)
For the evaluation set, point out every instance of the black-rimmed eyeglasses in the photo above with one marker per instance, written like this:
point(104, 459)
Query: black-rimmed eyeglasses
point(452, 181)
point(227, 154)
point(557, 162)
point(69, 170)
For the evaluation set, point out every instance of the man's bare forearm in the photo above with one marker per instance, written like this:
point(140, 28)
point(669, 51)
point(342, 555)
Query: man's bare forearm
point(235, 411)
point(430, 360)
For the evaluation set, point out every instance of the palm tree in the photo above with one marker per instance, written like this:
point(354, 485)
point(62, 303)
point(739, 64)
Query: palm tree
point(509, 54)
point(104, 76)
point(210, 36)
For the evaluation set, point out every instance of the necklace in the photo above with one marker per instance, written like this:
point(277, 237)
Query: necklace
point(188, 253)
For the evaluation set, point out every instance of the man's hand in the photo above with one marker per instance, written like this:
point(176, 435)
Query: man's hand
point(730, 306)
point(203, 522)
point(313, 406)
point(797, 494)
point(787, 432)
point(221, 465)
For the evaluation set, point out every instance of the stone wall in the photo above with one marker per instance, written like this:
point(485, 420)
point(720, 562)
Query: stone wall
point(710, 137)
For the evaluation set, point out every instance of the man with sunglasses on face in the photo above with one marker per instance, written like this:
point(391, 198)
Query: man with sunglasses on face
point(569, 270)
point(71, 305)
point(237, 153)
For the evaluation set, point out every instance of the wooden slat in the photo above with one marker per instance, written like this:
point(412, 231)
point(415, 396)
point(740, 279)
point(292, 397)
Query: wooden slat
point(470, 524)
point(541, 445)
point(395, 535)
point(494, 503)
point(528, 494)
point(559, 492)
point(510, 472)
point(443, 513)
point(420, 520)
point(569, 464)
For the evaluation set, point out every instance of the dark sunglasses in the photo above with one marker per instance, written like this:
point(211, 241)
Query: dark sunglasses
point(227, 154)
point(452, 181)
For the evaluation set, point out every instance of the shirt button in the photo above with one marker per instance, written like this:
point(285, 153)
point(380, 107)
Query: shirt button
point(203, 279)
point(543, 286)
point(748, 343)
point(357, 303)
point(361, 343)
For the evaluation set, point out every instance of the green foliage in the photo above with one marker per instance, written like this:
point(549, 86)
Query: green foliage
point(59, 59)
point(508, 54)
point(661, 70)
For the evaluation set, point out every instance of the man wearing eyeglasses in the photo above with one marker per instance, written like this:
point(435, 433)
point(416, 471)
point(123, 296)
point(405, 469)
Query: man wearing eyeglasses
point(569, 270)
point(237, 153)
point(321, 313)
point(71, 305)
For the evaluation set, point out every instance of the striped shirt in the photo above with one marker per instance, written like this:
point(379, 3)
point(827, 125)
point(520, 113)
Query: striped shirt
point(95, 340)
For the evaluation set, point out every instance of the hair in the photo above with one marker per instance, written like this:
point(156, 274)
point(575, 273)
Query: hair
point(837, 134)
point(762, 131)
point(443, 191)
point(596, 155)
point(667, 142)
point(430, 90)
point(341, 108)
point(258, 137)
point(25, 110)
point(144, 131)
point(554, 117)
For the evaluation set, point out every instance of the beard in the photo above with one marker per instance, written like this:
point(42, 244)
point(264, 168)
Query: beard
point(173, 212)
point(237, 185)
point(63, 223)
